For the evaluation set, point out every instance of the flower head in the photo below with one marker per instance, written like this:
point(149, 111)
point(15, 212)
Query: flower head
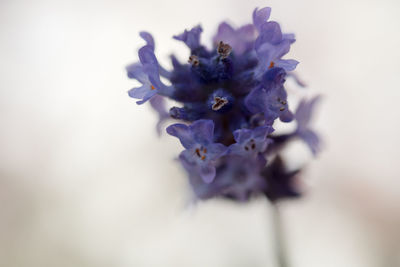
point(228, 100)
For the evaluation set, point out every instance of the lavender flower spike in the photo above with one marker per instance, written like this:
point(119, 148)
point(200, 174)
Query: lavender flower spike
point(228, 99)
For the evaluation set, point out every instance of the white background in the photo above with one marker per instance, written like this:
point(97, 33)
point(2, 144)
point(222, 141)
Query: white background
point(85, 181)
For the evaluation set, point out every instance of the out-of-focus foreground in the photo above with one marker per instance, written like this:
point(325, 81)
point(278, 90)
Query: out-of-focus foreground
point(85, 181)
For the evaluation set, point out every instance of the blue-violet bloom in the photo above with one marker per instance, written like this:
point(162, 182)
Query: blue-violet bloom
point(228, 100)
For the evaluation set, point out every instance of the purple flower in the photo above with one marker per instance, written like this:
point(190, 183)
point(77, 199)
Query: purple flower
point(270, 56)
point(261, 16)
point(303, 117)
point(228, 97)
point(147, 72)
point(249, 143)
point(144, 92)
point(270, 97)
point(237, 178)
point(271, 44)
point(240, 178)
point(201, 152)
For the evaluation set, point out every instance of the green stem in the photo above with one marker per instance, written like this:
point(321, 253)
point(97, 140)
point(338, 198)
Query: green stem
point(279, 237)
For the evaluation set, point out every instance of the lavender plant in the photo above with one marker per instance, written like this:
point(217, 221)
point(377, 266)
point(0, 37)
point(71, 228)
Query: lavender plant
point(230, 97)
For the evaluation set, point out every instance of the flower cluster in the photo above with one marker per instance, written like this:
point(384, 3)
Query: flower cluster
point(230, 97)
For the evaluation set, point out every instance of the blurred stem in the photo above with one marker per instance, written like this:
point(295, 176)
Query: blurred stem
point(279, 237)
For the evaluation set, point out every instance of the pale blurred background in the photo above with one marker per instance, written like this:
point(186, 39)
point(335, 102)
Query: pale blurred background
point(85, 181)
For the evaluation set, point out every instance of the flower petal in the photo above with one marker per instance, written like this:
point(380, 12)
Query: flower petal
point(304, 111)
point(261, 16)
point(146, 56)
point(158, 104)
point(262, 132)
point(182, 132)
point(287, 64)
point(242, 135)
point(216, 150)
point(135, 71)
point(207, 172)
point(311, 139)
point(148, 38)
point(270, 32)
point(139, 92)
point(148, 96)
point(203, 131)
point(191, 38)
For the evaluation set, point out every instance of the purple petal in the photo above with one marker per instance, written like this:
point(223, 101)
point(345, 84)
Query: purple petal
point(242, 135)
point(304, 111)
point(274, 79)
point(247, 32)
point(150, 42)
point(139, 92)
point(289, 37)
point(182, 132)
point(135, 71)
point(148, 38)
point(163, 72)
point(261, 16)
point(154, 78)
point(224, 33)
point(286, 116)
point(303, 116)
point(207, 172)
point(270, 32)
point(235, 149)
point(147, 97)
point(206, 169)
point(152, 69)
point(203, 131)
point(241, 178)
point(175, 63)
point(297, 79)
point(255, 100)
point(312, 140)
point(287, 64)
point(146, 55)
point(216, 150)
point(268, 54)
point(250, 142)
point(262, 132)
point(271, 100)
point(144, 93)
point(158, 104)
point(191, 38)
point(282, 49)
